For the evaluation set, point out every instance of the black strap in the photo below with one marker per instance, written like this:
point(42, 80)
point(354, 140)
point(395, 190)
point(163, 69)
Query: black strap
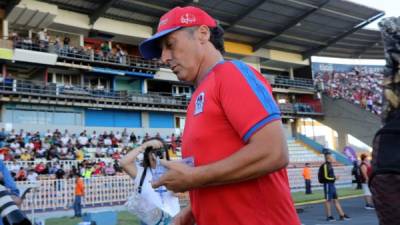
point(142, 180)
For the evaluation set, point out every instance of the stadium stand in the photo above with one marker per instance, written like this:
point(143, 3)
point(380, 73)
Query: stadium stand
point(360, 86)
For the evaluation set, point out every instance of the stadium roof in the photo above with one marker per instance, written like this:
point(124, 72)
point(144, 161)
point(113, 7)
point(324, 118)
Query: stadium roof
point(308, 27)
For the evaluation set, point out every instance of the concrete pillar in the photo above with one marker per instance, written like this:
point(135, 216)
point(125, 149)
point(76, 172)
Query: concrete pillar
point(293, 126)
point(291, 73)
point(46, 75)
point(144, 86)
point(82, 80)
point(5, 29)
point(81, 40)
point(342, 141)
point(4, 70)
point(30, 34)
point(145, 120)
point(54, 78)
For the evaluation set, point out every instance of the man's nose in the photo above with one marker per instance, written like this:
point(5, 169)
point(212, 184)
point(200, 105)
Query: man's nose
point(165, 56)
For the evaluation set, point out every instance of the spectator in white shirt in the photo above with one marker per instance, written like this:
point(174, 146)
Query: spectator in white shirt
point(32, 176)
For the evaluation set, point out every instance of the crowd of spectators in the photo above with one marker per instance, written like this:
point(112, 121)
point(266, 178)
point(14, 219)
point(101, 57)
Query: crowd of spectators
point(360, 86)
point(44, 42)
point(97, 154)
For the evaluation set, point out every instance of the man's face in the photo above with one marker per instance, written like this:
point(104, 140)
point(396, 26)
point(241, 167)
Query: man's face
point(329, 158)
point(182, 51)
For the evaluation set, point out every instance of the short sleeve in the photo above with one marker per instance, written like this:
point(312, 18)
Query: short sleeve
point(246, 98)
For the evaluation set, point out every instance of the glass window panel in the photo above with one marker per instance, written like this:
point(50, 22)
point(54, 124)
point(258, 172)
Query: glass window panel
point(64, 118)
point(22, 116)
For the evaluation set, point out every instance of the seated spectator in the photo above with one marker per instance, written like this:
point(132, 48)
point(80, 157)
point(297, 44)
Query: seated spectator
point(60, 173)
point(26, 156)
point(83, 140)
point(79, 154)
point(116, 155)
point(21, 174)
point(40, 168)
point(32, 176)
point(109, 170)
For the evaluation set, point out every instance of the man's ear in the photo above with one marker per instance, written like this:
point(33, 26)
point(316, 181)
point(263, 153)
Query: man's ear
point(204, 34)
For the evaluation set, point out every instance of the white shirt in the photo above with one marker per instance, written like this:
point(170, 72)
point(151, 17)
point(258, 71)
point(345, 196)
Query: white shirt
point(107, 142)
point(65, 140)
point(166, 201)
point(14, 145)
point(30, 145)
point(32, 177)
point(83, 140)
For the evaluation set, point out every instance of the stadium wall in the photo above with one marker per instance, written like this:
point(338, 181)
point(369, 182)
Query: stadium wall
point(161, 120)
point(347, 118)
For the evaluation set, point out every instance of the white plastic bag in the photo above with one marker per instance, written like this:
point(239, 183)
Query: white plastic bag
point(146, 211)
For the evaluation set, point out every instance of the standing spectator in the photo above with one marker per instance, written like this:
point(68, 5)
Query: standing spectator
point(357, 175)
point(57, 43)
point(244, 169)
point(79, 194)
point(307, 178)
point(327, 177)
point(121, 55)
point(105, 49)
point(365, 168)
point(66, 41)
point(43, 39)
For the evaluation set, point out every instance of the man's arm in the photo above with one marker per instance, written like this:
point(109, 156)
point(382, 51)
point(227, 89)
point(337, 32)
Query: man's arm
point(266, 152)
point(8, 180)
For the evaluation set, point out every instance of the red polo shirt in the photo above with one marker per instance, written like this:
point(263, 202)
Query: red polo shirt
point(228, 107)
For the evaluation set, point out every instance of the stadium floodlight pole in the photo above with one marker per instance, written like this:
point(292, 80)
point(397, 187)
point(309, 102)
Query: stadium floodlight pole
point(313, 51)
point(293, 23)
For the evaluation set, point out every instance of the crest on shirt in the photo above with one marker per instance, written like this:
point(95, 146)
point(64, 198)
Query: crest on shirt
point(199, 104)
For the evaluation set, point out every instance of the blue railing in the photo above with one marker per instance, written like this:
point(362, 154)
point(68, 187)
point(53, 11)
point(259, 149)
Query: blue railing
point(318, 147)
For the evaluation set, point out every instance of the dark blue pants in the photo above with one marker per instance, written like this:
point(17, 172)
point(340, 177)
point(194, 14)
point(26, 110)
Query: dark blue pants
point(78, 206)
point(308, 187)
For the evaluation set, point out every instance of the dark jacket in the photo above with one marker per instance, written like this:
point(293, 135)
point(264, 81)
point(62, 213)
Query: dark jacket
point(328, 173)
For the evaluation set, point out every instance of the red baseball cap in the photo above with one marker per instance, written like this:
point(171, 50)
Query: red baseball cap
point(171, 21)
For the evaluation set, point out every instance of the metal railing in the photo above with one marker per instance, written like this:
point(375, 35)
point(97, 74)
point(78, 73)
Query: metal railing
point(283, 81)
point(67, 164)
point(300, 108)
point(82, 54)
point(58, 194)
point(34, 88)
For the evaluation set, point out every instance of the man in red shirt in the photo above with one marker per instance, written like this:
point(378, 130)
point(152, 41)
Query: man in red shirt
point(240, 177)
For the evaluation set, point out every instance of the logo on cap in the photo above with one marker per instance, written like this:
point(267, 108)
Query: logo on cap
point(188, 18)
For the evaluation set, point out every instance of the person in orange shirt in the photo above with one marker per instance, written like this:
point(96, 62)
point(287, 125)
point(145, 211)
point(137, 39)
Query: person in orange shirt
point(307, 178)
point(79, 193)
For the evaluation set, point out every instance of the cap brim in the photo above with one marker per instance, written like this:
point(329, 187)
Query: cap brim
point(149, 48)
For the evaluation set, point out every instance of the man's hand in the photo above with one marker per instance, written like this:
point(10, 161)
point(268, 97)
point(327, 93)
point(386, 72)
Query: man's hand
point(17, 200)
point(184, 217)
point(179, 177)
point(155, 144)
